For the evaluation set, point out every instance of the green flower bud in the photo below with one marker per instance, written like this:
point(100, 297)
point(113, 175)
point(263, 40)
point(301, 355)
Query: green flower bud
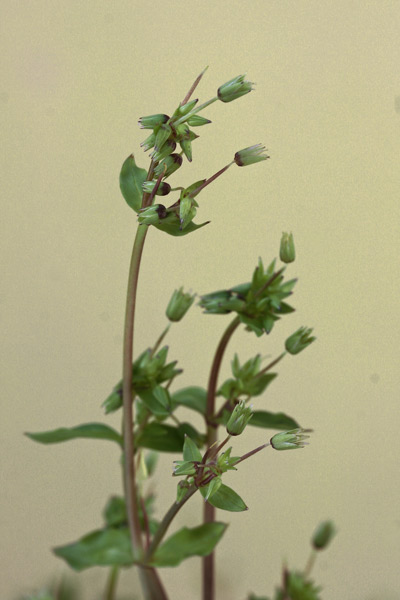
point(152, 121)
point(287, 252)
point(184, 467)
point(148, 142)
point(179, 305)
point(186, 108)
point(234, 88)
point(323, 535)
point(299, 340)
point(162, 135)
point(226, 462)
point(152, 215)
point(170, 164)
point(162, 190)
point(186, 146)
point(166, 150)
point(239, 418)
point(289, 440)
point(197, 121)
point(250, 155)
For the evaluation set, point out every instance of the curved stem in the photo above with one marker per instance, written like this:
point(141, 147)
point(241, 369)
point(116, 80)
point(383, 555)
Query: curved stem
point(165, 523)
point(209, 510)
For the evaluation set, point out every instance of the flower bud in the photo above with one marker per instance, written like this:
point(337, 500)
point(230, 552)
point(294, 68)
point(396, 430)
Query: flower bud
point(287, 252)
point(184, 467)
point(152, 215)
point(163, 189)
point(152, 121)
point(197, 121)
point(170, 164)
point(162, 135)
point(186, 108)
point(186, 146)
point(250, 155)
point(299, 340)
point(179, 305)
point(234, 88)
point(239, 418)
point(148, 142)
point(289, 440)
point(323, 535)
point(166, 150)
point(187, 211)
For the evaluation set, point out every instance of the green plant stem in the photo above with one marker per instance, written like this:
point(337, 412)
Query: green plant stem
point(152, 587)
point(165, 523)
point(209, 510)
point(310, 563)
point(111, 586)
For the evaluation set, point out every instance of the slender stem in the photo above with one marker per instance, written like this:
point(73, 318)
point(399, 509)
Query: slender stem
point(209, 510)
point(210, 180)
point(165, 523)
point(252, 452)
point(151, 584)
point(145, 520)
point(310, 563)
point(271, 364)
point(160, 339)
point(127, 396)
point(109, 593)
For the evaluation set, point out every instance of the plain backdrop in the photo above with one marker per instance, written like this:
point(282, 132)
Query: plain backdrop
point(76, 76)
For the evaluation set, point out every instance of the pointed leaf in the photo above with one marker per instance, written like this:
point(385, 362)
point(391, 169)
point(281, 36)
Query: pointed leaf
point(161, 437)
point(131, 180)
point(157, 401)
point(99, 548)
point(225, 498)
point(97, 431)
point(192, 397)
point(191, 451)
point(174, 228)
point(269, 420)
point(198, 541)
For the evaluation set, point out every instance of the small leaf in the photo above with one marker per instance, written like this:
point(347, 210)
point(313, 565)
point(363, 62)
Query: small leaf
point(97, 431)
point(115, 512)
point(191, 451)
point(198, 541)
point(99, 548)
point(174, 228)
point(269, 420)
point(192, 397)
point(157, 401)
point(131, 180)
point(225, 498)
point(161, 437)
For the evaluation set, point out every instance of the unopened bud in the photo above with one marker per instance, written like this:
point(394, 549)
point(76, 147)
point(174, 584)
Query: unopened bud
point(165, 151)
point(239, 418)
point(179, 305)
point(197, 121)
point(169, 165)
point(152, 121)
point(186, 108)
point(162, 135)
point(162, 190)
point(234, 88)
point(287, 252)
point(184, 467)
point(323, 535)
point(299, 340)
point(152, 215)
point(289, 440)
point(250, 155)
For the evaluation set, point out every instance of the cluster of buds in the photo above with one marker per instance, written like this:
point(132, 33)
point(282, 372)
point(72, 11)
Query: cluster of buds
point(248, 379)
point(258, 303)
point(148, 370)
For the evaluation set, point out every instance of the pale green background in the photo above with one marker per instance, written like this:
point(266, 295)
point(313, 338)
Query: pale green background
point(76, 76)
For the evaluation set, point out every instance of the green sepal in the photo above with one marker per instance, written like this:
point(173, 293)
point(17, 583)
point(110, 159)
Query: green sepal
point(197, 541)
point(269, 420)
point(174, 228)
point(191, 451)
point(131, 180)
point(96, 431)
point(104, 547)
point(225, 498)
point(191, 397)
point(157, 400)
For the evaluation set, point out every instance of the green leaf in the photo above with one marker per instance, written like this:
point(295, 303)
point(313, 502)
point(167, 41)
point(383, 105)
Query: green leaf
point(161, 437)
point(157, 400)
point(198, 541)
point(174, 228)
point(114, 512)
point(192, 397)
point(131, 179)
point(269, 420)
point(97, 431)
point(99, 548)
point(225, 498)
point(191, 451)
